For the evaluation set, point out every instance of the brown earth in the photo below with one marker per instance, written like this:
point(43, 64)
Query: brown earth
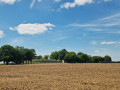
point(60, 77)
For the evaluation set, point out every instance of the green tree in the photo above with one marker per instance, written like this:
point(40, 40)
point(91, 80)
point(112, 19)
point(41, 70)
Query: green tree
point(90, 58)
point(61, 54)
point(80, 53)
point(54, 55)
point(79, 59)
point(29, 54)
point(21, 54)
point(39, 57)
point(85, 58)
point(107, 58)
point(7, 53)
point(97, 59)
point(46, 57)
point(70, 57)
point(25, 54)
point(1, 56)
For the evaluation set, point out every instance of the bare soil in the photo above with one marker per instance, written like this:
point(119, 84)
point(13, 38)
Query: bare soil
point(60, 77)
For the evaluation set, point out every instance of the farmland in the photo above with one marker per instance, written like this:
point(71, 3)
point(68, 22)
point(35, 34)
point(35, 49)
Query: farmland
point(60, 76)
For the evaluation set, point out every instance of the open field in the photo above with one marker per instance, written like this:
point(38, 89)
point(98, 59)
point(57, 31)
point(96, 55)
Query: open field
point(60, 77)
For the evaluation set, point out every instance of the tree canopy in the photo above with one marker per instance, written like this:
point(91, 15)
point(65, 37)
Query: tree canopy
point(17, 55)
point(72, 57)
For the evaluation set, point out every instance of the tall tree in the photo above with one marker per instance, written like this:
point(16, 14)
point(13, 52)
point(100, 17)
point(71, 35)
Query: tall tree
point(46, 57)
point(107, 58)
point(80, 53)
point(39, 57)
point(29, 54)
point(1, 56)
point(97, 59)
point(85, 58)
point(54, 55)
point(61, 54)
point(79, 59)
point(70, 57)
point(7, 53)
point(26, 54)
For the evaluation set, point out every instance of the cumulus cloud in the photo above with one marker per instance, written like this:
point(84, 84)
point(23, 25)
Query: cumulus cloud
point(1, 34)
point(76, 3)
point(80, 3)
point(9, 1)
point(32, 29)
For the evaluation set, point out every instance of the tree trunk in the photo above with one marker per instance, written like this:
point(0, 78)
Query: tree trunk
point(7, 63)
point(23, 61)
point(4, 62)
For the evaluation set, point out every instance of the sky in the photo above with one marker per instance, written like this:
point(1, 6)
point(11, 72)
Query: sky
point(88, 26)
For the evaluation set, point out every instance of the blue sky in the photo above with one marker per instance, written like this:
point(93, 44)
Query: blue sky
point(89, 26)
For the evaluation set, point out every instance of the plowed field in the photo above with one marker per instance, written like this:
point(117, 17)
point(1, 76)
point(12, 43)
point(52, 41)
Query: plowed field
point(60, 77)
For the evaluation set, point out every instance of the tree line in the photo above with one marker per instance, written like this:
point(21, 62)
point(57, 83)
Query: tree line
point(21, 55)
point(72, 57)
point(17, 55)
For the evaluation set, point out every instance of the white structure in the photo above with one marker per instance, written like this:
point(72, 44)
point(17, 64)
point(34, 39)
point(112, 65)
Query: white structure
point(63, 61)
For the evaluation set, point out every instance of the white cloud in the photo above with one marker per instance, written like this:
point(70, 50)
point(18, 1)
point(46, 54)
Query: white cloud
point(94, 42)
point(113, 20)
point(1, 34)
point(107, 0)
point(100, 1)
point(57, 0)
point(17, 41)
point(84, 25)
point(50, 28)
point(80, 3)
point(32, 3)
point(59, 38)
point(11, 28)
point(96, 51)
point(32, 29)
point(115, 31)
point(9, 1)
point(102, 43)
point(39, 0)
point(75, 3)
point(95, 29)
point(110, 24)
